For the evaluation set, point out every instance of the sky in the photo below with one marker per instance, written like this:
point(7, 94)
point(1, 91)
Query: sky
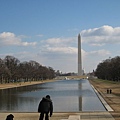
point(46, 31)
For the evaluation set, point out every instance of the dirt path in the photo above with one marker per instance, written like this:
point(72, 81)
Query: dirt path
point(112, 99)
point(20, 84)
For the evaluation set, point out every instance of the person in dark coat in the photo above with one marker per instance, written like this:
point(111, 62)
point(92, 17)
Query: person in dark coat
point(10, 117)
point(45, 107)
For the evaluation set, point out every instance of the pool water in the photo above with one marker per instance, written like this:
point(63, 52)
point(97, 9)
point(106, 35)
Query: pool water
point(67, 96)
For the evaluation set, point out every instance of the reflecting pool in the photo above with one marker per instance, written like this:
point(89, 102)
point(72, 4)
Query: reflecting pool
point(67, 96)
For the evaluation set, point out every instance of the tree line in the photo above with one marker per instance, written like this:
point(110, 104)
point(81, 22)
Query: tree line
point(109, 69)
point(12, 70)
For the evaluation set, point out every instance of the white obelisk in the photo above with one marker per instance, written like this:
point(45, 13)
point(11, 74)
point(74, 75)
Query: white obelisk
point(79, 56)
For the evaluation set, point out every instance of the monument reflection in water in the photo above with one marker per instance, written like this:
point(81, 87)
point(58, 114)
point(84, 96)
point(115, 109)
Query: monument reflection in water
point(67, 96)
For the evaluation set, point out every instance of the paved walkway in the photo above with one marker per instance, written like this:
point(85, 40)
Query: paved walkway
point(113, 99)
point(62, 116)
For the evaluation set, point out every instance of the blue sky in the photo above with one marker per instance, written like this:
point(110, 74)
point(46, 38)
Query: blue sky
point(46, 31)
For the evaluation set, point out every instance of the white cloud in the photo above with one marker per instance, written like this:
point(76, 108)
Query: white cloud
point(59, 46)
point(63, 50)
point(61, 41)
point(101, 36)
point(61, 53)
point(95, 44)
point(27, 43)
point(8, 38)
point(99, 52)
point(101, 31)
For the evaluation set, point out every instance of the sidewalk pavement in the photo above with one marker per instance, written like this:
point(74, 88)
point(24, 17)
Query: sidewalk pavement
point(61, 116)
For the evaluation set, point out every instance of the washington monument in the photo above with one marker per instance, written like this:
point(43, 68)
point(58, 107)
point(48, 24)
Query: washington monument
point(79, 56)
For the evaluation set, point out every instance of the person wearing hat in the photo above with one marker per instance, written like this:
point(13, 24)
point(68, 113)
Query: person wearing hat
point(45, 107)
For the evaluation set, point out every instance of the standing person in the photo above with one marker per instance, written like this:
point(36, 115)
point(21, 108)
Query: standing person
point(45, 107)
